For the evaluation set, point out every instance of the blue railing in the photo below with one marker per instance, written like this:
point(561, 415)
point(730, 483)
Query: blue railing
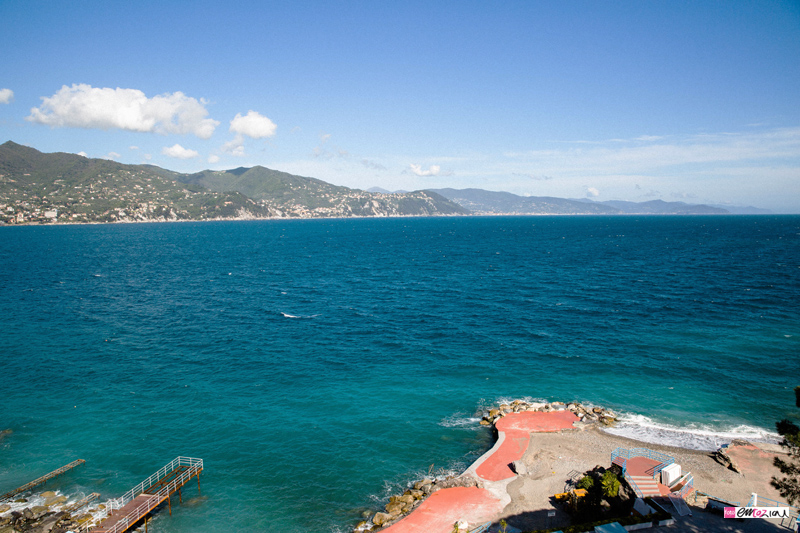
point(632, 483)
point(626, 453)
point(761, 501)
point(630, 453)
point(687, 488)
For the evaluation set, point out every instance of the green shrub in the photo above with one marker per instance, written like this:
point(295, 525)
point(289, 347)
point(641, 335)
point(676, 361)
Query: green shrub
point(610, 484)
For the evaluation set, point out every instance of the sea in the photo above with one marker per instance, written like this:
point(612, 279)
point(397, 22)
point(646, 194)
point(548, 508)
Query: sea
point(319, 366)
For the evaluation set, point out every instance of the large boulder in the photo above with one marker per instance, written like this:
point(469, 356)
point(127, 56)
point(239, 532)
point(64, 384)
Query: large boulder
point(394, 508)
point(406, 498)
point(381, 518)
point(419, 484)
point(55, 500)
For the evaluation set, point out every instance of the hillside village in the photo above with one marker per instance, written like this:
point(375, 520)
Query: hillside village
point(39, 188)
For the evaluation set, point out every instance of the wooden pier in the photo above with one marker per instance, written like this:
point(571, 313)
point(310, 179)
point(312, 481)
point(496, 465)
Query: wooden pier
point(42, 480)
point(138, 502)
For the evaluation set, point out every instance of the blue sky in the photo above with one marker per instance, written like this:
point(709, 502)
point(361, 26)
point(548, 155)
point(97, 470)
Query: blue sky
point(692, 101)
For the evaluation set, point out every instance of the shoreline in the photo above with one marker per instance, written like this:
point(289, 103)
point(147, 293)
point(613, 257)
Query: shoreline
point(551, 456)
point(443, 215)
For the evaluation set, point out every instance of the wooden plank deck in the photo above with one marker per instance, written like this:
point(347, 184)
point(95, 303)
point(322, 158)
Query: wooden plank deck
point(140, 501)
point(132, 512)
point(166, 480)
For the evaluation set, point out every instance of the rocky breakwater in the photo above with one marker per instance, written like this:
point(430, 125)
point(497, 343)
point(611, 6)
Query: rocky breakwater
point(587, 415)
point(50, 515)
point(403, 504)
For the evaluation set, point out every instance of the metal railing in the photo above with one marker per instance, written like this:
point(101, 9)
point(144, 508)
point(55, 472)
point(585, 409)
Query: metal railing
point(687, 488)
point(632, 483)
point(630, 453)
point(760, 501)
point(194, 466)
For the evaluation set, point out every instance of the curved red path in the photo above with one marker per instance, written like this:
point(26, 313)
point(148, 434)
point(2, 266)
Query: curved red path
point(517, 428)
point(444, 508)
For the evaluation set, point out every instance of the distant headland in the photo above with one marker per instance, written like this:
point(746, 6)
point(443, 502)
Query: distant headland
point(40, 188)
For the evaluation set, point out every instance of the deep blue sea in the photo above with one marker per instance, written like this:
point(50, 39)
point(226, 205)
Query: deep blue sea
point(318, 365)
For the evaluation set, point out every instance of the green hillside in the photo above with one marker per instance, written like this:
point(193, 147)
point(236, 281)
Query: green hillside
point(39, 188)
point(292, 195)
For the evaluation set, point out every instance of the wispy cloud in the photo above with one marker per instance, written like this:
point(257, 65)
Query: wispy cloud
point(535, 177)
point(658, 153)
point(6, 96)
point(323, 151)
point(372, 164)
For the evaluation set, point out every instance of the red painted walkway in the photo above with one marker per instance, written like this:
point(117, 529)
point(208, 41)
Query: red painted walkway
point(444, 508)
point(517, 428)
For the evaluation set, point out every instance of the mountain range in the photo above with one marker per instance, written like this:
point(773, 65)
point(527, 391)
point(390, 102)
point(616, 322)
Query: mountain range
point(36, 187)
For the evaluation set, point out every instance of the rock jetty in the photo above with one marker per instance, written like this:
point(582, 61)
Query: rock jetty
point(586, 414)
point(402, 504)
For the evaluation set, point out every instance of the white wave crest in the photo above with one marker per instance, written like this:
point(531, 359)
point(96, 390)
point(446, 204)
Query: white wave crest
point(460, 421)
point(692, 436)
point(287, 315)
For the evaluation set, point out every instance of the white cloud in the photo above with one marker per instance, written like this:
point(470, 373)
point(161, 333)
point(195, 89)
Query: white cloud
point(234, 147)
point(179, 152)
point(6, 96)
point(112, 155)
point(433, 170)
point(213, 159)
point(84, 106)
point(253, 125)
point(83, 154)
point(591, 192)
point(133, 147)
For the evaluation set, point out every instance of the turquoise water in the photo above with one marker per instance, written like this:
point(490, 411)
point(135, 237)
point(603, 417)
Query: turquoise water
point(318, 365)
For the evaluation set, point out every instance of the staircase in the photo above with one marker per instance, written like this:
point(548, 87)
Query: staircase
point(644, 485)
